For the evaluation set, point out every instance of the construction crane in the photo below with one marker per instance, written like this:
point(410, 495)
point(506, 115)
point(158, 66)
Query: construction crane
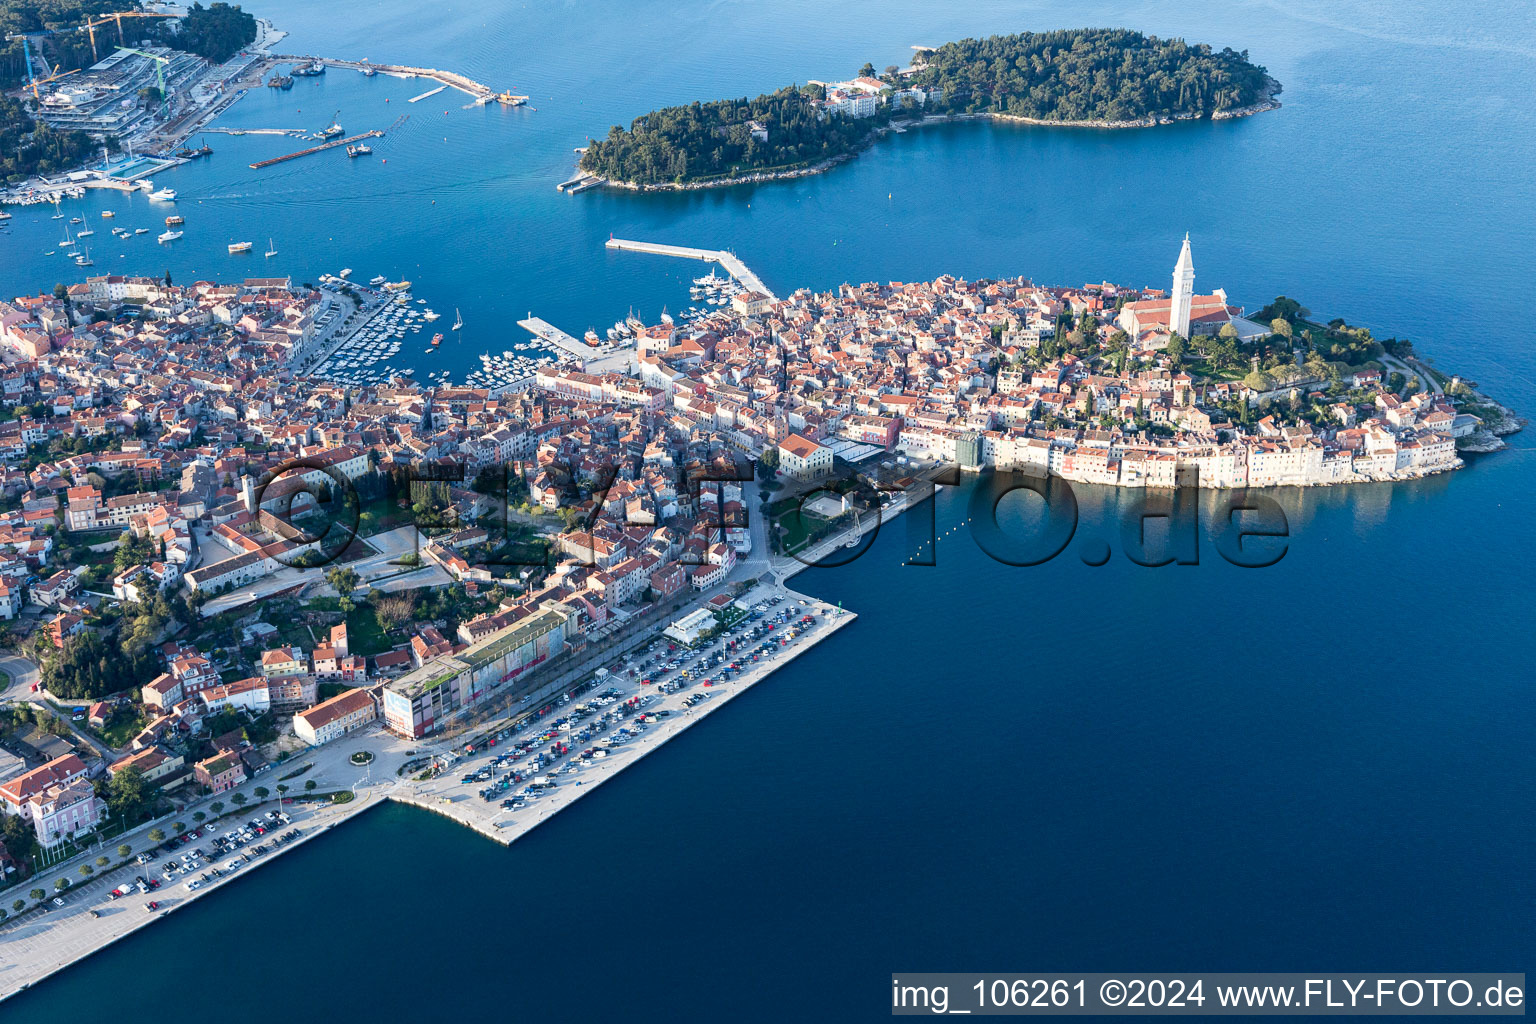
point(36, 95)
point(160, 63)
point(117, 17)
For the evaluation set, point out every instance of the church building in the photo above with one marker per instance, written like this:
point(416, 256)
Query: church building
point(1183, 311)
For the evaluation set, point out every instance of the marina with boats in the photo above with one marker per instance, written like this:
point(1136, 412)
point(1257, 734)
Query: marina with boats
point(396, 320)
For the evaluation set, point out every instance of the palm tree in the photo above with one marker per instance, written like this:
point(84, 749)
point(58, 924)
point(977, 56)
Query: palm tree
point(102, 862)
point(198, 816)
point(239, 799)
point(60, 884)
point(124, 850)
point(309, 787)
point(20, 905)
point(86, 871)
point(178, 827)
point(37, 894)
point(218, 806)
point(157, 835)
point(262, 792)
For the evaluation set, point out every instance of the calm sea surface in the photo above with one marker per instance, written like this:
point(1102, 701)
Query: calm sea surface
point(1322, 765)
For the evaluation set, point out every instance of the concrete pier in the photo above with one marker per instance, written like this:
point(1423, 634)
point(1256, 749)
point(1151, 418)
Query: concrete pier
point(548, 332)
point(465, 85)
point(727, 259)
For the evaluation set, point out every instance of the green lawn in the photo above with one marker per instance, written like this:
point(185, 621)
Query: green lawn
point(382, 515)
point(117, 732)
point(363, 633)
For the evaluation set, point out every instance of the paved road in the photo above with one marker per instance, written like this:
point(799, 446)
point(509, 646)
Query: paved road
point(1426, 378)
point(22, 674)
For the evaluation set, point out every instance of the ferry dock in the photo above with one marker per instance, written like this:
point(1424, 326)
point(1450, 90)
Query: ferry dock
point(375, 134)
point(580, 183)
point(727, 259)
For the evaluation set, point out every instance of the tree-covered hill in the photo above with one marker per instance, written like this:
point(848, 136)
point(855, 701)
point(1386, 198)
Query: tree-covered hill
point(1074, 75)
point(703, 140)
point(1090, 75)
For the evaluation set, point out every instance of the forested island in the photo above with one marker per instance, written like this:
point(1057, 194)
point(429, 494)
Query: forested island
point(1091, 77)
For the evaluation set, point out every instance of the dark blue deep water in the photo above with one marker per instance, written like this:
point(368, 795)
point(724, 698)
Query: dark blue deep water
point(1321, 765)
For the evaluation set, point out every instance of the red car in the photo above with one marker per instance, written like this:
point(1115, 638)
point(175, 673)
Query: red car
point(152, 906)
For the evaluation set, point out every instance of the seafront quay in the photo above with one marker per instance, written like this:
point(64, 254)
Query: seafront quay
point(36, 943)
point(574, 777)
point(40, 943)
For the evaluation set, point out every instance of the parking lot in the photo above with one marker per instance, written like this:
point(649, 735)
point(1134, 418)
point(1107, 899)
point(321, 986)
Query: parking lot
point(521, 775)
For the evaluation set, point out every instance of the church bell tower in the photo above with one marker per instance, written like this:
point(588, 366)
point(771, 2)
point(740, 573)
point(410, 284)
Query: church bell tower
point(1183, 291)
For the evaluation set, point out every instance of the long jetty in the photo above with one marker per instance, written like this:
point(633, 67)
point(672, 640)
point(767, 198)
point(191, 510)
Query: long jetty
point(452, 78)
point(316, 149)
point(727, 259)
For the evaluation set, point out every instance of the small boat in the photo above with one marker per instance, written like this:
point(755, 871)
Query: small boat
point(239, 247)
point(271, 248)
point(84, 259)
point(359, 150)
point(458, 318)
point(171, 222)
point(396, 286)
point(85, 232)
point(74, 220)
point(141, 231)
point(429, 316)
point(334, 130)
point(376, 281)
point(164, 195)
point(437, 339)
point(346, 272)
point(108, 213)
point(170, 236)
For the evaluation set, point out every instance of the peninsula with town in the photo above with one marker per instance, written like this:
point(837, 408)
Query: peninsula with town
point(1095, 78)
point(230, 582)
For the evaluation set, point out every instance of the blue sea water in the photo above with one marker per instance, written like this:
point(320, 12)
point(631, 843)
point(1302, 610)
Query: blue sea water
point(1321, 765)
